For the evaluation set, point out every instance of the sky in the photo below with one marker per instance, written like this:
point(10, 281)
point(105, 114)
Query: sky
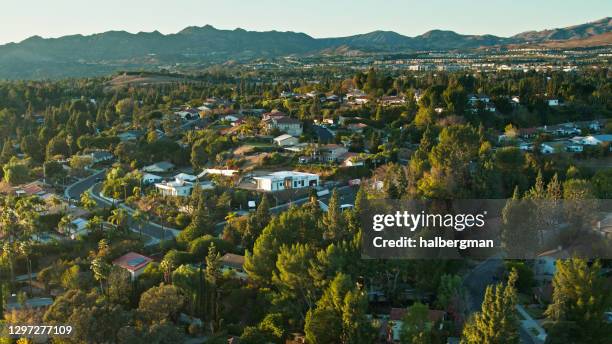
point(20, 19)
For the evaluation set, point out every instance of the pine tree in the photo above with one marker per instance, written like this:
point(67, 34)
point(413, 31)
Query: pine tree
point(580, 299)
point(497, 321)
point(334, 226)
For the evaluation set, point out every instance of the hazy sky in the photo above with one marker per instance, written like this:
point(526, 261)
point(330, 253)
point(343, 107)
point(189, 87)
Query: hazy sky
point(20, 19)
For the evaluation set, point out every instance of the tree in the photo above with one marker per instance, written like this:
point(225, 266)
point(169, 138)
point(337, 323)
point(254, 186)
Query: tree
point(161, 303)
point(119, 286)
point(101, 270)
point(87, 201)
point(25, 248)
point(333, 221)
point(497, 321)
point(141, 218)
point(415, 324)
point(16, 172)
point(95, 224)
point(580, 298)
point(340, 315)
point(67, 225)
point(167, 265)
point(449, 290)
point(602, 184)
point(119, 218)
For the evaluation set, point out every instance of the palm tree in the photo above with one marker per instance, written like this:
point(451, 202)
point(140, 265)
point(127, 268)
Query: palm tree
point(26, 249)
point(140, 217)
point(7, 251)
point(101, 270)
point(167, 266)
point(87, 202)
point(95, 223)
point(118, 218)
point(67, 225)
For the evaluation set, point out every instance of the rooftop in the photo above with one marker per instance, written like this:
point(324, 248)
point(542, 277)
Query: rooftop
point(132, 261)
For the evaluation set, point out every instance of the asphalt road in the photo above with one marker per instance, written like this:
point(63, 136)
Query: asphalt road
point(155, 231)
point(75, 190)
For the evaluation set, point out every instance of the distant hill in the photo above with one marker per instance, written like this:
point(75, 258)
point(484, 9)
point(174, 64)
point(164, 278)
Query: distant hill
point(572, 32)
point(103, 53)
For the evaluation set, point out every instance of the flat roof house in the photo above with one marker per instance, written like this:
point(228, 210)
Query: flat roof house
point(286, 140)
point(285, 180)
point(133, 262)
point(149, 178)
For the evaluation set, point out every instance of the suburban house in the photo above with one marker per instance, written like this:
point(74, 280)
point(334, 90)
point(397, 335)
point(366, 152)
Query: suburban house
point(392, 100)
point(352, 160)
point(134, 263)
point(594, 140)
point(285, 124)
point(332, 152)
point(159, 167)
point(235, 263)
point(188, 114)
point(232, 117)
point(287, 94)
point(356, 97)
point(564, 129)
point(356, 127)
point(273, 114)
point(546, 149)
point(475, 99)
point(185, 177)
point(324, 135)
point(285, 180)
point(181, 186)
point(286, 140)
point(100, 156)
point(177, 188)
point(130, 135)
point(544, 266)
point(79, 227)
point(148, 179)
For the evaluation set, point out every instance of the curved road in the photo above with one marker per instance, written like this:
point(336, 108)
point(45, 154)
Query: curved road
point(92, 185)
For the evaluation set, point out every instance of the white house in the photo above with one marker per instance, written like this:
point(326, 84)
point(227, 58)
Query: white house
point(553, 102)
point(594, 140)
point(285, 180)
point(352, 160)
point(149, 178)
point(546, 149)
point(185, 177)
point(286, 140)
point(134, 263)
point(574, 148)
point(177, 188)
point(100, 156)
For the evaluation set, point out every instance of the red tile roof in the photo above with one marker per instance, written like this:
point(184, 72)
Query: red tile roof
point(132, 261)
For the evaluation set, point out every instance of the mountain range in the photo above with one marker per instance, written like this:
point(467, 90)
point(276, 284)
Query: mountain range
point(78, 55)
